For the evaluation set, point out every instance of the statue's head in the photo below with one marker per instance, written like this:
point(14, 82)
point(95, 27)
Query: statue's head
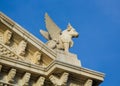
point(72, 31)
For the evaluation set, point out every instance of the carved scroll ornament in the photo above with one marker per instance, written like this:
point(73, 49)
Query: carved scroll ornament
point(62, 81)
point(10, 77)
point(88, 82)
point(7, 36)
point(21, 48)
point(40, 81)
point(25, 80)
point(36, 57)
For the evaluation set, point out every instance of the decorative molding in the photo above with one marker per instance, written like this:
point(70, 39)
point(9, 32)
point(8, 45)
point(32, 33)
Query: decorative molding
point(45, 71)
point(14, 27)
point(6, 51)
point(62, 81)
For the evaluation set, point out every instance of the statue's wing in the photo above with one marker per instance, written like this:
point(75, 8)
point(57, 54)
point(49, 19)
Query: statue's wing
point(52, 28)
point(45, 34)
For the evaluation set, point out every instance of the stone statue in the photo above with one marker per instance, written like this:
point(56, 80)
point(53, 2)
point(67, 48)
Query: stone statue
point(88, 82)
point(25, 80)
point(10, 77)
point(58, 39)
point(36, 57)
point(59, 81)
point(21, 48)
point(40, 81)
point(7, 36)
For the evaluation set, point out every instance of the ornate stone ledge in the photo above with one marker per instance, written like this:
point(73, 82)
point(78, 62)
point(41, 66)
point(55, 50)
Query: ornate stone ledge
point(56, 65)
point(27, 36)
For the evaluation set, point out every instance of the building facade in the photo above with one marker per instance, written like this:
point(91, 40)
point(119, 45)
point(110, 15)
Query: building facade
point(27, 61)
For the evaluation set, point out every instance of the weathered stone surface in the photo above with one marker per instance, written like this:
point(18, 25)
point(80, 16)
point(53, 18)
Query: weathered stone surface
point(68, 58)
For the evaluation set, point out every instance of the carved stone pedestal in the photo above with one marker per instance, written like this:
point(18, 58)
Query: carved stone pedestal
point(68, 58)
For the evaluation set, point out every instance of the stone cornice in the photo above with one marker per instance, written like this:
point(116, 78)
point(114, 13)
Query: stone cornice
point(45, 71)
point(26, 35)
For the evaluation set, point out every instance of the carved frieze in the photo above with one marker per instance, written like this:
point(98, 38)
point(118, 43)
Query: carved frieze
point(21, 49)
point(7, 36)
point(62, 81)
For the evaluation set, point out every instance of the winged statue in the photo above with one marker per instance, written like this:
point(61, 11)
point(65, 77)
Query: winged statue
point(58, 39)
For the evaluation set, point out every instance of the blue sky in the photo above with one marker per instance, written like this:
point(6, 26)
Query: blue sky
point(97, 21)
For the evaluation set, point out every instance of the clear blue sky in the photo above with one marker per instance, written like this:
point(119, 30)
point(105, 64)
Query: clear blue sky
point(97, 21)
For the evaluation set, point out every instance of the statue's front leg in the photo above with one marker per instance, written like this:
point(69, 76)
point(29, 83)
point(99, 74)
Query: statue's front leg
point(66, 47)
